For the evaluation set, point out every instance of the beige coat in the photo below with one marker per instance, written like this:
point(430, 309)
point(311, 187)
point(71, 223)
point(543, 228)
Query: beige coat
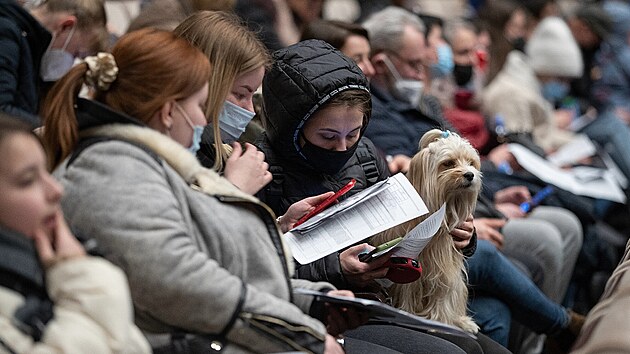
point(92, 312)
point(515, 94)
point(607, 326)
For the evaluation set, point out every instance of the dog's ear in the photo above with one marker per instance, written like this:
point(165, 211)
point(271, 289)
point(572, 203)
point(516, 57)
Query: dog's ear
point(429, 137)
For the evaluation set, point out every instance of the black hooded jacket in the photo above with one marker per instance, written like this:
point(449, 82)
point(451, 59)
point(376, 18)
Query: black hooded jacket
point(23, 42)
point(304, 78)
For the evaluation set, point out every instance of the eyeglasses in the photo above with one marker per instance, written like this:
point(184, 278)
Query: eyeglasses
point(416, 65)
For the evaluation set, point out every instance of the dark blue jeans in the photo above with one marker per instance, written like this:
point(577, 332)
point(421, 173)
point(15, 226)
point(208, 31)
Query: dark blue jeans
point(500, 291)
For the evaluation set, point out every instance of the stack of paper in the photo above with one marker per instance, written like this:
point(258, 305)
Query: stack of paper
point(378, 208)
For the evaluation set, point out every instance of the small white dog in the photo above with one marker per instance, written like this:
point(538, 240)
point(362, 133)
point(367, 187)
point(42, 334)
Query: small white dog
point(445, 170)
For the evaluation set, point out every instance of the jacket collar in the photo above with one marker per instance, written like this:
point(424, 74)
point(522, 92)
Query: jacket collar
point(20, 258)
point(91, 114)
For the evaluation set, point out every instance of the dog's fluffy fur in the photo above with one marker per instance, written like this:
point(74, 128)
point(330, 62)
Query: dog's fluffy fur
point(445, 170)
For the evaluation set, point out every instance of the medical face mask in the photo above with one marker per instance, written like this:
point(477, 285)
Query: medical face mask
point(554, 91)
point(326, 161)
point(56, 62)
point(197, 131)
point(406, 90)
point(233, 121)
point(462, 74)
point(444, 65)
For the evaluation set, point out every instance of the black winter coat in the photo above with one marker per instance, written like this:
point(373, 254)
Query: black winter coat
point(23, 41)
point(302, 79)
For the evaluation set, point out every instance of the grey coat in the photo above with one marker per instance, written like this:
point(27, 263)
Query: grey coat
point(203, 263)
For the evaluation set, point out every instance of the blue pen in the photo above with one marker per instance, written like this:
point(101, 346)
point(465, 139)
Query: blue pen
point(526, 207)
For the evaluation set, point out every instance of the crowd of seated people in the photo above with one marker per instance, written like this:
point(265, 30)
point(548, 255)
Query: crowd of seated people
point(149, 176)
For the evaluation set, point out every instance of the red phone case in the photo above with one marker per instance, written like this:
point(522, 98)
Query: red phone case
point(326, 203)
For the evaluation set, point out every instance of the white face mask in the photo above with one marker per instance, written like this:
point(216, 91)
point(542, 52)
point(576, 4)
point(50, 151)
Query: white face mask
point(407, 90)
point(233, 121)
point(56, 62)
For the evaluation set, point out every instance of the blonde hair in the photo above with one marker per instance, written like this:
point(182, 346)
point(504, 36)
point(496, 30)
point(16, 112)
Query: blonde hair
point(232, 50)
point(154, 67)
point(91, 18)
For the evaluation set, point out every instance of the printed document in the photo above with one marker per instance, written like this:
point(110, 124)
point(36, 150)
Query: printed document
point(378, 208)
point(416, 240)
point(587, 181)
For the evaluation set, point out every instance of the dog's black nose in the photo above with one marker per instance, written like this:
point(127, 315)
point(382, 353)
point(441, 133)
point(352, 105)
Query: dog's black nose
point(469, 176)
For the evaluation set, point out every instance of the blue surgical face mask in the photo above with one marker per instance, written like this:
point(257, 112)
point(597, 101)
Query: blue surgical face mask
point(197, 131)
point(554, 91)
point(232, 121)
point(445, 63)
point(56, 62)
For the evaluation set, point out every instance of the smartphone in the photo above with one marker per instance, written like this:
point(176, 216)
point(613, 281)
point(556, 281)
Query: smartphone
point(526, 207)
point(367, 256)
point(326, 203)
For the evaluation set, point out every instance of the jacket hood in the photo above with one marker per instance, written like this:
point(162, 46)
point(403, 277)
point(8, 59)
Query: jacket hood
point(302, 79)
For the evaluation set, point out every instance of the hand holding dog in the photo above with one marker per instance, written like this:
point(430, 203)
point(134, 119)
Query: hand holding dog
point(359, 273)
point(462, 234)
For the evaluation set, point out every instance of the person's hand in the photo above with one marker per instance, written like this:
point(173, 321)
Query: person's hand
point(247, 170)
point(564, 117)
point(398, 163)
point(501, 154)
point(299, 209)
point(58, 245)
point(331, 346)
point(463, 233)
point(514, 195)
point(340, 319)
point(489, 229)
point(511, 211)
point(361, 274)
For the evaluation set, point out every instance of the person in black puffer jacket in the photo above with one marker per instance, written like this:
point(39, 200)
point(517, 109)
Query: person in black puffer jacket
point(315, 117)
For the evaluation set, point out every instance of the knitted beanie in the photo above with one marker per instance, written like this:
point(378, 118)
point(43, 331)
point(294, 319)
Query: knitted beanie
point(553, 51)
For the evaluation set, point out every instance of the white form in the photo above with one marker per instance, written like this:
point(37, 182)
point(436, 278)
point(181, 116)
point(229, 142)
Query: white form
point(597, 183)
point(417, 239)
point(370, 214)
point(578, 148)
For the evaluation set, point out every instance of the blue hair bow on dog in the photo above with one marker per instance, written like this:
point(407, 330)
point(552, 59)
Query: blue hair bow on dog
point(446, 134)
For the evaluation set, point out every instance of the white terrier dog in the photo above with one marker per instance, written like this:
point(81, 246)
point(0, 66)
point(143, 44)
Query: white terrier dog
point(445, 170)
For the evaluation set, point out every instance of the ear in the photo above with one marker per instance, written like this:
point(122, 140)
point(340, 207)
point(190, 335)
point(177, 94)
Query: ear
point(63, 21)
point(378, 63)
point(162, 120)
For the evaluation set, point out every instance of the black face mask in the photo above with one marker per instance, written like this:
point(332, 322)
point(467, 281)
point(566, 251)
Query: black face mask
point(518, 44)
point(326, 161)
point(462, 74)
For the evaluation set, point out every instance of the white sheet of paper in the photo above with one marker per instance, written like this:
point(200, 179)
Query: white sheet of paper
point(578, 148)
point(605, 187)
point(414, 242)
point(347, 204)
point(397, 203)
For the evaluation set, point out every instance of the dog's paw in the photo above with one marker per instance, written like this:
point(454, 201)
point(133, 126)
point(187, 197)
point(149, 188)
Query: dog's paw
point(467, 324)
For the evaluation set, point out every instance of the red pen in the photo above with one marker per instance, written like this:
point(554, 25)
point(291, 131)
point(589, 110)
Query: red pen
point(326, 203)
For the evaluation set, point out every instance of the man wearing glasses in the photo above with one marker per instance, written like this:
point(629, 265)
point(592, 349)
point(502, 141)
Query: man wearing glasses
point(398, 53)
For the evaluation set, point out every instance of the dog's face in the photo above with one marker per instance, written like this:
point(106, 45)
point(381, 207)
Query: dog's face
point(446, 169)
